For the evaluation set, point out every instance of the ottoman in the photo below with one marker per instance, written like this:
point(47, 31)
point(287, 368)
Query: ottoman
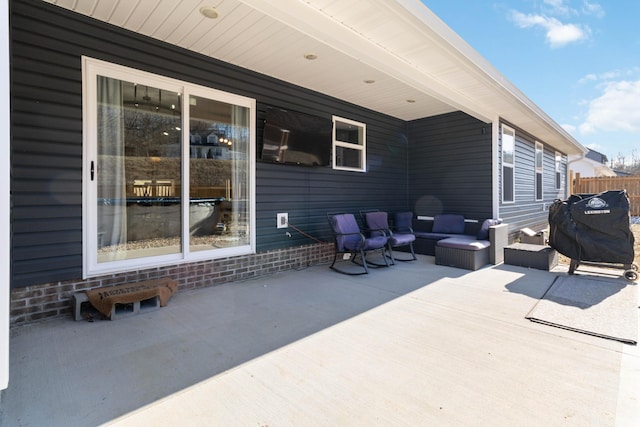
point(540, 257)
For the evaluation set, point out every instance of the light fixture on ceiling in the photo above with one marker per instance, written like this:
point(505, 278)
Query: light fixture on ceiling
point(369, 81)
point(310, 56)
point(209, 12)
point(411, 101)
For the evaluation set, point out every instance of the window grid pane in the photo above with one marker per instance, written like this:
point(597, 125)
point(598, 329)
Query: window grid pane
point(558, 171)
point(349, 145)
point(508, 163)
point(539, 158)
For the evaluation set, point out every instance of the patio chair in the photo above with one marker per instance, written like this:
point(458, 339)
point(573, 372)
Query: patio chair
point(378, 222)
point(349, 239)
point(403, 224)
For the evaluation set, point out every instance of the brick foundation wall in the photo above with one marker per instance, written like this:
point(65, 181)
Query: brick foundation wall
point(51, 300)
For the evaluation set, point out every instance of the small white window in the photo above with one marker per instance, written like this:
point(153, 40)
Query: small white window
point(508, 164)
point(349, 145)
point(539, 168)
point(558, 171)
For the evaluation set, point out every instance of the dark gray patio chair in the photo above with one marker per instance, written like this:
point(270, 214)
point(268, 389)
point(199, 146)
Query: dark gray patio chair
point(349, 239)
point(377, 223)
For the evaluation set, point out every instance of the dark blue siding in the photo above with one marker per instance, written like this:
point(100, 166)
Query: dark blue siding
point(450, 166)
point(526, 211)
point(46, 98)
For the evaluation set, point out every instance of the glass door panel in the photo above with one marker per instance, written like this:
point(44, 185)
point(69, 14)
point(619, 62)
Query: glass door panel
point(138, 170)
point(218, 174)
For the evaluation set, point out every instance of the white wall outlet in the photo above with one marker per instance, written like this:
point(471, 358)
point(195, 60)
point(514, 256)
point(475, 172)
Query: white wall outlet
point(283, 220)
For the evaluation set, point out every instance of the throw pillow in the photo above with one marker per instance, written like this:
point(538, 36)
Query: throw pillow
point(448, 223)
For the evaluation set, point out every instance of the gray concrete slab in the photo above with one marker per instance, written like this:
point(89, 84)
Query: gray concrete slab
point(415, 344)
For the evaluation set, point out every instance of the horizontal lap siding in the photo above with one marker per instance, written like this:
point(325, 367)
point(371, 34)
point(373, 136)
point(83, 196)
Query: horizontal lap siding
point(46, 98)
point(46, 152)
point(450, 166)
point(527, 212)
point(308, 194)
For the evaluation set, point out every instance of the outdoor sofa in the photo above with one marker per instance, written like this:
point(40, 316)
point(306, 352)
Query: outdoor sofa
point(459, 242)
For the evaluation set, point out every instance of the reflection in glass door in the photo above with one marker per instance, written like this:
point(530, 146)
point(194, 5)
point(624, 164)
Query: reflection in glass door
point(138, 170)
point(218, 174)
point(168, 170)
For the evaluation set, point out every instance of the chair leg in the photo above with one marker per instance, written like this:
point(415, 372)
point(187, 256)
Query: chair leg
point(413, 254)
point(364, 261)
point(335, 257)
point(384, 257)
point(353, 260)
point(384, 250)
point(393, 261)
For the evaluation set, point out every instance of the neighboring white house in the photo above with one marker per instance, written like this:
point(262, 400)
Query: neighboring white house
point(593, 164)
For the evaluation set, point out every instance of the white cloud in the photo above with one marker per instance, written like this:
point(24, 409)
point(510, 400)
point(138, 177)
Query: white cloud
point(569, 128)
point(561, 7)
point(588, 78)
point(557, 33)
point(616, 109)
point(609, 76)
point(592, 9)
point(558, 7)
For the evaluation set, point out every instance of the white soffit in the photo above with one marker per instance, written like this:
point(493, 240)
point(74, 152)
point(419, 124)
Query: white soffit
point(409, 52)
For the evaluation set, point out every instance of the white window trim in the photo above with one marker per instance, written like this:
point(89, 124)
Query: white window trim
point(90, 69)
point(336, 143)
point(510, 165)
point(540, 170)
point(558, 170)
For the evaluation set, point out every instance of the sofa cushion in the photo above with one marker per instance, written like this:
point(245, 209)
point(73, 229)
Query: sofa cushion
point(448, 223)
point(464, 242)
point(400, 239)
point(432, 236)
point(483, 233)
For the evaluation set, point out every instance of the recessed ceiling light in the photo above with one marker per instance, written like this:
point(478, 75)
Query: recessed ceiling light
point(310, 56)
point(411, 101)
point(369, 81)
point(209, 12)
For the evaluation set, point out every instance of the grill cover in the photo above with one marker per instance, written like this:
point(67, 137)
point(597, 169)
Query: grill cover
point(593, 228)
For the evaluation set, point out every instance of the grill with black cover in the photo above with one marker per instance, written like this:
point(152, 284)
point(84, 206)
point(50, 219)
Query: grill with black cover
point(594, 228)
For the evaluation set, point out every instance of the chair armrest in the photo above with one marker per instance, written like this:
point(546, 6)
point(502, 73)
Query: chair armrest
point(355, 233)
point(404, 230)
point(385, 231)
point(499, 238)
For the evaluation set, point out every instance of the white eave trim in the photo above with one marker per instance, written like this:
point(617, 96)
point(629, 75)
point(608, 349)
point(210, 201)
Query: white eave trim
point(307, 19)
point(485, 70)
point(338, 35)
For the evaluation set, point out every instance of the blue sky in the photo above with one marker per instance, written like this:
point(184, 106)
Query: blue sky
point(578, 60)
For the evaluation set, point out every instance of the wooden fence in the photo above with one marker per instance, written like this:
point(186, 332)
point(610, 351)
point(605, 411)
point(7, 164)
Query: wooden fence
point(604, 183)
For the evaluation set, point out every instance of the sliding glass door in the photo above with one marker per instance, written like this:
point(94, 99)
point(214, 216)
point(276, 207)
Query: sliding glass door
point(168, 170)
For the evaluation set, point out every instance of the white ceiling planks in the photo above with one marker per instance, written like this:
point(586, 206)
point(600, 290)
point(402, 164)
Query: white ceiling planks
point(409, 52)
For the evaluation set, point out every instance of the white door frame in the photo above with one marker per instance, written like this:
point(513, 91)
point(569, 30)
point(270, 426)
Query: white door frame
point(5, 164)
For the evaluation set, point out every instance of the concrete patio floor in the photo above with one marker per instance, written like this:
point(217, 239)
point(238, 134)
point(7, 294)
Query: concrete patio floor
point(413, 345)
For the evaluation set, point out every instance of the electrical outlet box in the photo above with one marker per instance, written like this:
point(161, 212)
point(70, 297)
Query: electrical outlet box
point(283, 220)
